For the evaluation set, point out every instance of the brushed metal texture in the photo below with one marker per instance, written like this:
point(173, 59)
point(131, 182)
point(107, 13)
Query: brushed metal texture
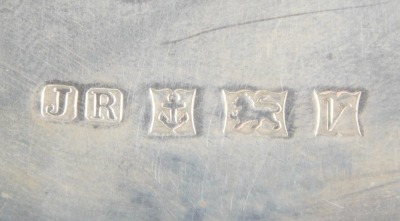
point(80, 170)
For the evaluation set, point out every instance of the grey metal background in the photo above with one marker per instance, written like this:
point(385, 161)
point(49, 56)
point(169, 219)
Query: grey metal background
point(75, 171)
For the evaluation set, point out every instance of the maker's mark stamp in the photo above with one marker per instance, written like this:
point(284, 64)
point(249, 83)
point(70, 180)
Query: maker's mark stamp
point(104, 105)
point(261, 112)
point(59, 103)
point(337, 113)
point(172, 112)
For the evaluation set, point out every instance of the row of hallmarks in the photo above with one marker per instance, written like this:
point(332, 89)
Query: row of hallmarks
point(259, 112)
point(60, 103)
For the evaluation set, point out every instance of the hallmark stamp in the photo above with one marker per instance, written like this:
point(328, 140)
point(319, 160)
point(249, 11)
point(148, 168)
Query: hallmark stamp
point(259, 112)
point(255, 112)
point(59, 103)
point(337, 113)
point(172, 112)
point(104, 105)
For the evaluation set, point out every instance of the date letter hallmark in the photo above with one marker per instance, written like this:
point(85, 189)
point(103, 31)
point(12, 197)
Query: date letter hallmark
point(59, 103)
point(104, 106)
point(337, 113)
point(172, 112)
point(255, 112)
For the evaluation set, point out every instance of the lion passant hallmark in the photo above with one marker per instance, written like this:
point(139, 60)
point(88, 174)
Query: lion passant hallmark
point(260, 112)
point(247, 112)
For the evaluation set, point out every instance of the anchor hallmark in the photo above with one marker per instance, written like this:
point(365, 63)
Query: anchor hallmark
point(174, 104)
point(172, 112)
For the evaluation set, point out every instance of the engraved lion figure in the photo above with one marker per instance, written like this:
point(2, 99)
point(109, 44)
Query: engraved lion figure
point(246, 112)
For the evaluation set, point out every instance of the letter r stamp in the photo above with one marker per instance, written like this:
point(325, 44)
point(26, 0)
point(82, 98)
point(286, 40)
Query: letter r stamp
point(104, 105)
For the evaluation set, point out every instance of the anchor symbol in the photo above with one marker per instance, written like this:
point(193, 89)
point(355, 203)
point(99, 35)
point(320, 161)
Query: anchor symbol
point(174, 104)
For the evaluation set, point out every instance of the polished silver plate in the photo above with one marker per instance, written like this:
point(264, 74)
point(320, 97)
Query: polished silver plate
point(199, 110)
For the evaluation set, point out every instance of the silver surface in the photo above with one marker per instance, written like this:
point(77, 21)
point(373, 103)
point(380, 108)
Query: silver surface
point(81, 171)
